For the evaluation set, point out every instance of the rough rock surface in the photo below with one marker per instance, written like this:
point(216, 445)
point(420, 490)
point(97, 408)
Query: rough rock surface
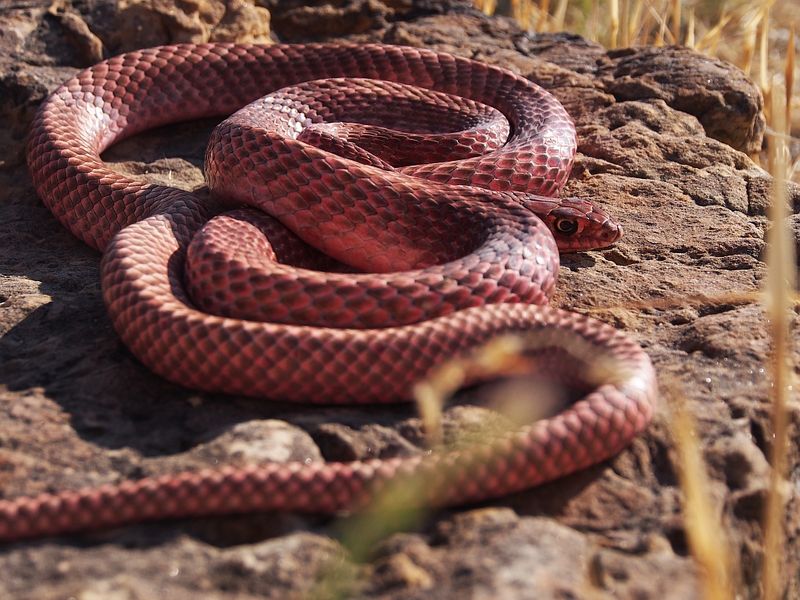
point(663, 141)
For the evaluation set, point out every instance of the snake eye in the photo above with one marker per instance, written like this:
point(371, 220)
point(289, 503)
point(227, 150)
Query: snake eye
point(566, 226)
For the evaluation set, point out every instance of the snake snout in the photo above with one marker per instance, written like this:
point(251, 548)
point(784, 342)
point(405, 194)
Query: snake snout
point(611, 232)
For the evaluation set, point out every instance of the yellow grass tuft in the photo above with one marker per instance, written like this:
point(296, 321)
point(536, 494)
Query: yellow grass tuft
point(735, 30)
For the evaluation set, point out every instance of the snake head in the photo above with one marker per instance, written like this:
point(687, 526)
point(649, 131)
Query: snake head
point(580, 225)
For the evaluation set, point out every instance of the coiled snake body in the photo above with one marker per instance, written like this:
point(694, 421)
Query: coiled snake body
point(414, 175)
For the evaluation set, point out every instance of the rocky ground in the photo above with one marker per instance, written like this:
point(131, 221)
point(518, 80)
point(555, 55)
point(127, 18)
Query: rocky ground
point(664, 138)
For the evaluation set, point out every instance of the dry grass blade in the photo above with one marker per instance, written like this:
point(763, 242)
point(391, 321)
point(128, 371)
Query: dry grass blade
point(544, 13)
point(788, 75)
point(676, 20)
point(624, 25)
point(763, 55)
point(662, 31)
point(614, 27)
point(751, 23)
point(636, 22)
point(706, 539)
point(781, 273)
point(690, 33)
point(647, 23)
point(487, 7)
point(711, 38)
point(591, 24)
point(501, 356)
point(560, 15)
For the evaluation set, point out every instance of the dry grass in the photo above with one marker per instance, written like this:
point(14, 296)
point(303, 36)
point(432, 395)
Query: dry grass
point(740, 32)
point(743, 32)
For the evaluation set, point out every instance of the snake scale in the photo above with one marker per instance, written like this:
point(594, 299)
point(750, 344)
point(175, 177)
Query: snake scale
point(374, 211)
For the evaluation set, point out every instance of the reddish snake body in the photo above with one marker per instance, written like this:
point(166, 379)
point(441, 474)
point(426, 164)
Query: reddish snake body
point(397, 191)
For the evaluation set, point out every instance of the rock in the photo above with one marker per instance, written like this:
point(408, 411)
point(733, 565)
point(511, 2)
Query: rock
point(21, 91)
point(663, 141)
point(531, 557)
point(258, 442)
point(338, 442)
point(87, 45)
point(662, 575)
point(399, 571)
point(301, 20)
point(242, 22)
point(182, 569)
point(273, 568)
point(142, 23)
point(724, 100)
point(709, 335)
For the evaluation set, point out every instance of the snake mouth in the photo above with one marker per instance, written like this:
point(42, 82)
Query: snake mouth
point(614, 233)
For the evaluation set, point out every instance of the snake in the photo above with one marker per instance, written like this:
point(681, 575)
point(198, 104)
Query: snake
point(372, 211)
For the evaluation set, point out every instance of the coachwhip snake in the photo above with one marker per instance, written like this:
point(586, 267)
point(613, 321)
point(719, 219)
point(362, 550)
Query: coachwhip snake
point(414, 175)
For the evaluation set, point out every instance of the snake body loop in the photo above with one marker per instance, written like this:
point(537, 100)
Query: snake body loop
point(402, 210)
